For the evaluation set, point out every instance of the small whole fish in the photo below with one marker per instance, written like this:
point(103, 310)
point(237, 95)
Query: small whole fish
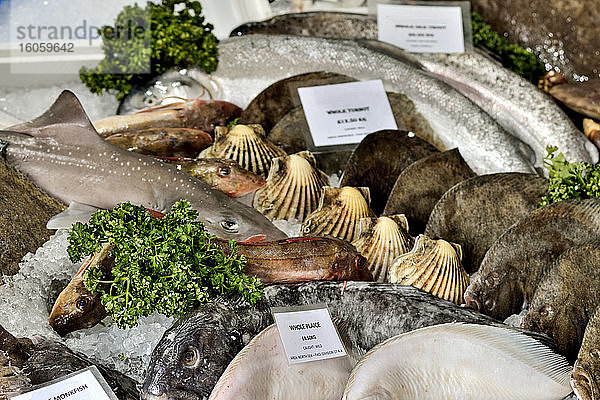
point(475, 212)
point(420, 185)
point(163, 142)
point(378, 160)
point(261, 371)
point(226, 176)
point(517, 261)
point(369, 313)
point(452, 362)
point(62, 153)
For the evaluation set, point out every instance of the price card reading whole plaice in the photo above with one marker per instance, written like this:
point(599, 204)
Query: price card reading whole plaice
point(344, 113)
point(87, 384)
point(307, 333)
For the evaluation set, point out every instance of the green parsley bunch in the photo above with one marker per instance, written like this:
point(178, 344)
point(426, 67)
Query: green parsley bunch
point(169, 264)
point(569, 180)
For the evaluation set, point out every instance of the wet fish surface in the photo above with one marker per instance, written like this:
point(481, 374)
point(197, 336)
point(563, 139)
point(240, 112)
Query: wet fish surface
point(451, 361)
point(379, 159)
point(368, 313)
point(62, 153)
point(514, 265)
point(163, 142)
point(421, 184)
point(475, 212)
point(261, 371)
point(455, 120)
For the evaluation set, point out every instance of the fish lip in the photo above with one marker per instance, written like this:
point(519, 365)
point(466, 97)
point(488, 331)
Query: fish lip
point(472, 301)
point(583, 385)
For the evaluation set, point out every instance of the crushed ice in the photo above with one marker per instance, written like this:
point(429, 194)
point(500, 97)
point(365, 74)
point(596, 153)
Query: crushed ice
point(24, 313)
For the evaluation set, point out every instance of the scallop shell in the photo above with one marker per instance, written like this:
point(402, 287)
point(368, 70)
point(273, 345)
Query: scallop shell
point(246, 144)
point(433, 266)
point(293, 188)
point(381, 240)
point(339, 213)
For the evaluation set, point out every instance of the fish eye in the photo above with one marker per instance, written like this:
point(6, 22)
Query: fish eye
point(229, 225)
point(149, 101)
point(546, 310)
point(82, 303)
point(190, 357)
point(489, 304)
point(224, 171)
point(491, 280)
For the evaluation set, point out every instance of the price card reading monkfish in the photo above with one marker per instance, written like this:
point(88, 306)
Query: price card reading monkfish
point(422, 29)
point(86, 384)
point(307, 333)
point(345, 113)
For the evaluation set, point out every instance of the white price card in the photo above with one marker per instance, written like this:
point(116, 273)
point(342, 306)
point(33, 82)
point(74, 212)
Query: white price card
point(422, 29)
point(87, 384)
point(345, 113)
point(307, 333)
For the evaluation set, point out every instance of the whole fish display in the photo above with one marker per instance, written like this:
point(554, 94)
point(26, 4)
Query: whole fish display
point(200, 114)
point(43, 360)
point(62, 153)
point(226, 176)
point(566, 298)
point(531, 116)
point(261, 371)
point(163, 142)
point(455, 120)
point(284, 261)
point(450, 361)
point(192, 355)
point(25, 208)
point(420, 185)
point(378, 160)
point(475, 212)
point(518, 260)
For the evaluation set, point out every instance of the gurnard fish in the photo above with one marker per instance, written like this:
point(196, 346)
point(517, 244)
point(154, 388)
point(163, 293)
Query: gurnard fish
point(283, 261)
point(516, 104)
point(452, 362)
point(517, 261)
point(32, 362)
point(192, 355)
point(261, 371)
point(455, 120)
point(62, 153)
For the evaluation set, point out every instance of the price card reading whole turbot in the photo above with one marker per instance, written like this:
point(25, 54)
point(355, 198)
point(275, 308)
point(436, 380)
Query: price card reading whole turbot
point(307, 333)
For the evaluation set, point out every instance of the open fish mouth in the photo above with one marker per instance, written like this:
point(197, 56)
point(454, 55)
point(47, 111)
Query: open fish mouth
point(472, 302)
point(583, 385)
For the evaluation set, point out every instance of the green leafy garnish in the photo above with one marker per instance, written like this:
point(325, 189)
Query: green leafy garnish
point(569, 180)
point(512, 56)
point(177, 37)
point(169, 264)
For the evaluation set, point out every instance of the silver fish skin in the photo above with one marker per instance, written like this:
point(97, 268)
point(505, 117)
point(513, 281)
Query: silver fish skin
point(452, 362)
point(249, 64)
point(191, 356)
point(62, 153)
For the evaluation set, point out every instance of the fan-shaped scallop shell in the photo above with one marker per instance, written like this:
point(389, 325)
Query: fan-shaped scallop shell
point(339, 213)
point(246, 144)
point(433, 266)
point(381, 240)
point(294, 187)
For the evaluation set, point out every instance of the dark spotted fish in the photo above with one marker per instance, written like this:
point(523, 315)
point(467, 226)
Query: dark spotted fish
point(420, 185)
point(379, 159)
point(192, 355)
point(518, 260)
point(474, 213)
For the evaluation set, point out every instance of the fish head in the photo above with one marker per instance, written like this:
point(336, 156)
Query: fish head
point(348, 258)
point(228, 176)
point(76, 308)
point(494, 293)
point(191, 356)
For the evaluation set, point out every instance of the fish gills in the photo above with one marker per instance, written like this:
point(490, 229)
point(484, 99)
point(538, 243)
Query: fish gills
point(422, 364)
point(261, 371)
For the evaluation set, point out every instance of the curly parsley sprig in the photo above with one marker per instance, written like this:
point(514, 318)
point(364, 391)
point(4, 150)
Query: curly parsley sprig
point(569, 180)
point(169, 264)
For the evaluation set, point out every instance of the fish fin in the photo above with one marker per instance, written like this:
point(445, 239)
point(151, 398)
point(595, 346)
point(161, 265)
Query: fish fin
point(392, 51)
point(66, 110)
point(76, 212)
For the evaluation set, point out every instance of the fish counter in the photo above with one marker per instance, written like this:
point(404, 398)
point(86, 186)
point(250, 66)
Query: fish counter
point(164, 239)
